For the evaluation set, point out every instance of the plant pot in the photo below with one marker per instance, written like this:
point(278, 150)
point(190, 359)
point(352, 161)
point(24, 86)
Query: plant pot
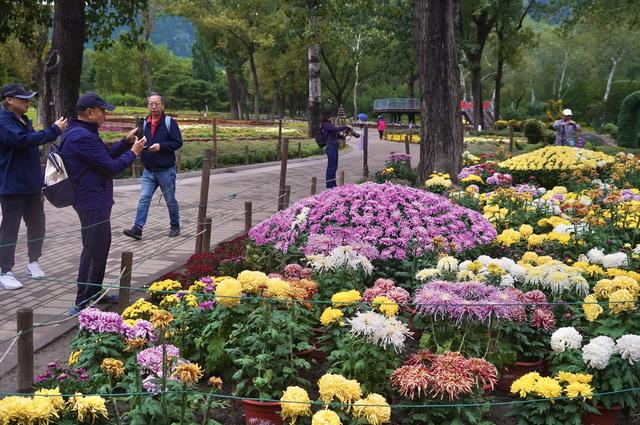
point(606, 416)
point(517, 370)
point(261, 412)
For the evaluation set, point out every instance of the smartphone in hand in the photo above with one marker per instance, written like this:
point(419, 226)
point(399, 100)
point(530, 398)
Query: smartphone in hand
point(140, 132)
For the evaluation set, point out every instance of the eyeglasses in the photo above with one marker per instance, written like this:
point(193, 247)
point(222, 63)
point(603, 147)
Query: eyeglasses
point(154, 103)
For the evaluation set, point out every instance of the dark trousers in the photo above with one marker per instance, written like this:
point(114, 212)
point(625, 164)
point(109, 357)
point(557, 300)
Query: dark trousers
point(96, 242)
point(332, 164)
point(381, 133)
point(14, 209)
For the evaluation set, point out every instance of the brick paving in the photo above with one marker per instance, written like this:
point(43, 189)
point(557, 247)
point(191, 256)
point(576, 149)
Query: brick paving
point(50, 298)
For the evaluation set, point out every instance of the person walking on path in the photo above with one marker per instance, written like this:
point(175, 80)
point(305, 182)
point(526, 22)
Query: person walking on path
point(21, 181)
point(566, 128)
point(91, 167)
point(381, 125)
point(159, 160)
point(332, 133)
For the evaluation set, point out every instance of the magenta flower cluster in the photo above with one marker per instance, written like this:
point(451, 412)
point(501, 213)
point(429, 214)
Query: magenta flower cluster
point(500, 179)
point(399, 157)
point(381, 221)
point(95, 320)
point(386, 288)
point(150, 360)
point(467, 301)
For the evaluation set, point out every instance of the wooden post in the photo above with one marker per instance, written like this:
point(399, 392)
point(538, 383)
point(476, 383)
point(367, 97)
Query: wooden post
point(246, 154)
point(314, 185)
point(510, 138)
point(204, 197)
point(25, 350)
point(279, 138)
point(341, 180)
point(407, 148)
point(365, 153)
point(135, 168)
point(124, 292)
point(178, 161)
point(287, 196)
point(283, 172)
point(248, 220)
point(214, 126)
point(206, 236)
point(299, 149)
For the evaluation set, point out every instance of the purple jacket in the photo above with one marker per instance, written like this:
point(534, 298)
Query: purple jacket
point(91, 165)
point(331, 132)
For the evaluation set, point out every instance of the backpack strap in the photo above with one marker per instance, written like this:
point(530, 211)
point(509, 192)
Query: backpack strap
point(167, 123)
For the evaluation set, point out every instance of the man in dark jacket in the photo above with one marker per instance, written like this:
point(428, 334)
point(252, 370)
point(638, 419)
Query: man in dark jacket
point(159, 160)
point(91, 167)
point(21, 181)
point(332, 134)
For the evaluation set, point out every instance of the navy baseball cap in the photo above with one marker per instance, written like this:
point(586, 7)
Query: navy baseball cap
point(16, 90)
point(92, 100)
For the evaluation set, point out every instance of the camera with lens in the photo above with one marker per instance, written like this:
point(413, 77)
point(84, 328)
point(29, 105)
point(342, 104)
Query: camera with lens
point(348, 133)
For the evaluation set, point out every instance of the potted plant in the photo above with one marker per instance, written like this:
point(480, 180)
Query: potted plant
point(528, 337)
point(262, 347)
point(443, 379)
point(562, 399)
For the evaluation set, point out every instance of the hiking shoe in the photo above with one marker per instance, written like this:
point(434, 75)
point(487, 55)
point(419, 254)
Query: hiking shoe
point(135, 232)
point(74, 310)
point(109, 299)
point(174, 232)
point(34, 270)
point(9, 281)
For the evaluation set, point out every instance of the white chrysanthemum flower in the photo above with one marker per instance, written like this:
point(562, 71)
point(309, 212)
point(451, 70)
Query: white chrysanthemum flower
point(535, 276)
point(427, 274)
point(541, 191)
point(556, 281)
point(636, 250)
point(507, 281)
point(518, 272)
point(366, 323)
point(347, 256)
point(579, 284)
point(319, 263)
point(564, 228)
point(597, 352)
point(301, 217)
point(595, 256)
point(485, 259)
point(447, 264)
point(628, 346)
point(564, 338)
point(379, 329)
point(465, 264)
point(619, 259)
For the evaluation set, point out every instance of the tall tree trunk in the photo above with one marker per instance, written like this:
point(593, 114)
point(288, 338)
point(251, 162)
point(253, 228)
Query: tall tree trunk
point(356, 81)
point(68, 41)
point(234, 93)
point(256, 88)
point(476, 93)
point(314, 106)
point(39, 75)
point(499, 70)
point(563, 73)
point(607, 91)
point(147, 28)
point(411, 86)
point(242, 101)
point(441, 142)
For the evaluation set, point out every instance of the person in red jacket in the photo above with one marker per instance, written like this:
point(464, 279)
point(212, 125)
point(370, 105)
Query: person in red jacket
point(381, 125)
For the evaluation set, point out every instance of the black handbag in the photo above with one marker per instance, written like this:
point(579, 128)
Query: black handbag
point(58, 188)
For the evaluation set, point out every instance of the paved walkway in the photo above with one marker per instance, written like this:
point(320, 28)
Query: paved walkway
point(156, 253)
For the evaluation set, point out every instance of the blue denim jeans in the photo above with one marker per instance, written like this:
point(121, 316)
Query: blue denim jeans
point(166, 181)
point(332, 164)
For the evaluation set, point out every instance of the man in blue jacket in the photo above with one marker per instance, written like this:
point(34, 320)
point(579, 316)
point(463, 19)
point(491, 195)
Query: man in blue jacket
point(21, 181)
point(332, 134)
point(159, 160)
point(91, 166)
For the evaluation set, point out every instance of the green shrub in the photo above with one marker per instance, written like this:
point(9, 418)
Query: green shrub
point(533, 130)
point(125, 100)
point(611, 129)
point(628, 121)
point(549, 137)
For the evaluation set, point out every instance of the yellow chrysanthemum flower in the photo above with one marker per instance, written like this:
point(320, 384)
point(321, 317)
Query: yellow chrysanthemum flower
point(252, 281)
point(578, 389)
point(300, 404)
point(345, 298)
point(141, 309)
point(188, 373)
point(228, 292)
point(345, 390)
point(621, 300)
point(386, 306)
point(325, 417)
point(374, 409)
point(547, 387)
point(591, 309)
point(89, 408)
point(526, 230)
point(73, 357)
point(112, 367)
point(162, 287)
point(524, 385)
point(330, 315)
point(278, 288)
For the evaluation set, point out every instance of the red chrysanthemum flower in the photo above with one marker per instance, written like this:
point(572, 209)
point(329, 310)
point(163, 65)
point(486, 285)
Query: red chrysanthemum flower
point(411, 380)
point(450, 376)
point(486, 374)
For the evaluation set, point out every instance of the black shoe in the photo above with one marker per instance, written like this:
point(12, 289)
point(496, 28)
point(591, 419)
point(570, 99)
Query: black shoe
point(175, 231)
point(135, 232)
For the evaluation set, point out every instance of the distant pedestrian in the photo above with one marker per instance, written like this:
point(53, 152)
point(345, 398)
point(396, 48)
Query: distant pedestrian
point(21, 181)
point(341, 117)
point(91, 167)
point(566, 128)
point(381, 125)
point(332, 134)
point(159, 160)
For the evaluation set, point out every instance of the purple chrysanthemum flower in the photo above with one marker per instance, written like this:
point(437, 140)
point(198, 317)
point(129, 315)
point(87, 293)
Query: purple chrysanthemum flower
point(206, 305)
point(150, 360)
point(399, 157)
point(142, 329)
point(94, 320)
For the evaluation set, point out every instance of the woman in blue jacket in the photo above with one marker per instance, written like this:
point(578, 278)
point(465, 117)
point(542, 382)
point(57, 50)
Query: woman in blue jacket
point(21, 181)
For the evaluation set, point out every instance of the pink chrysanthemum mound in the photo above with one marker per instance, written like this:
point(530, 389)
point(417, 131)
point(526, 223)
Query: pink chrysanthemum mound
point(381, 221)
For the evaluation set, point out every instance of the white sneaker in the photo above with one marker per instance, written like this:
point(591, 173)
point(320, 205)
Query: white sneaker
point(34, 270)
point(9, 281)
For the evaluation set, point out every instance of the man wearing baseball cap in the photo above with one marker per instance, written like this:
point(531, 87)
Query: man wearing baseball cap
point(21, 181)
point(566, 128)
point(91, 166)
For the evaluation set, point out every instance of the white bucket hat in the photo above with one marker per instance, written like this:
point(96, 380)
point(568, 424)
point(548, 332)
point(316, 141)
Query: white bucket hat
point(567, 112)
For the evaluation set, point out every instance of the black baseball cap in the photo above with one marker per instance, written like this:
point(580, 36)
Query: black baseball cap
point(16, 90)
point(92, 100)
